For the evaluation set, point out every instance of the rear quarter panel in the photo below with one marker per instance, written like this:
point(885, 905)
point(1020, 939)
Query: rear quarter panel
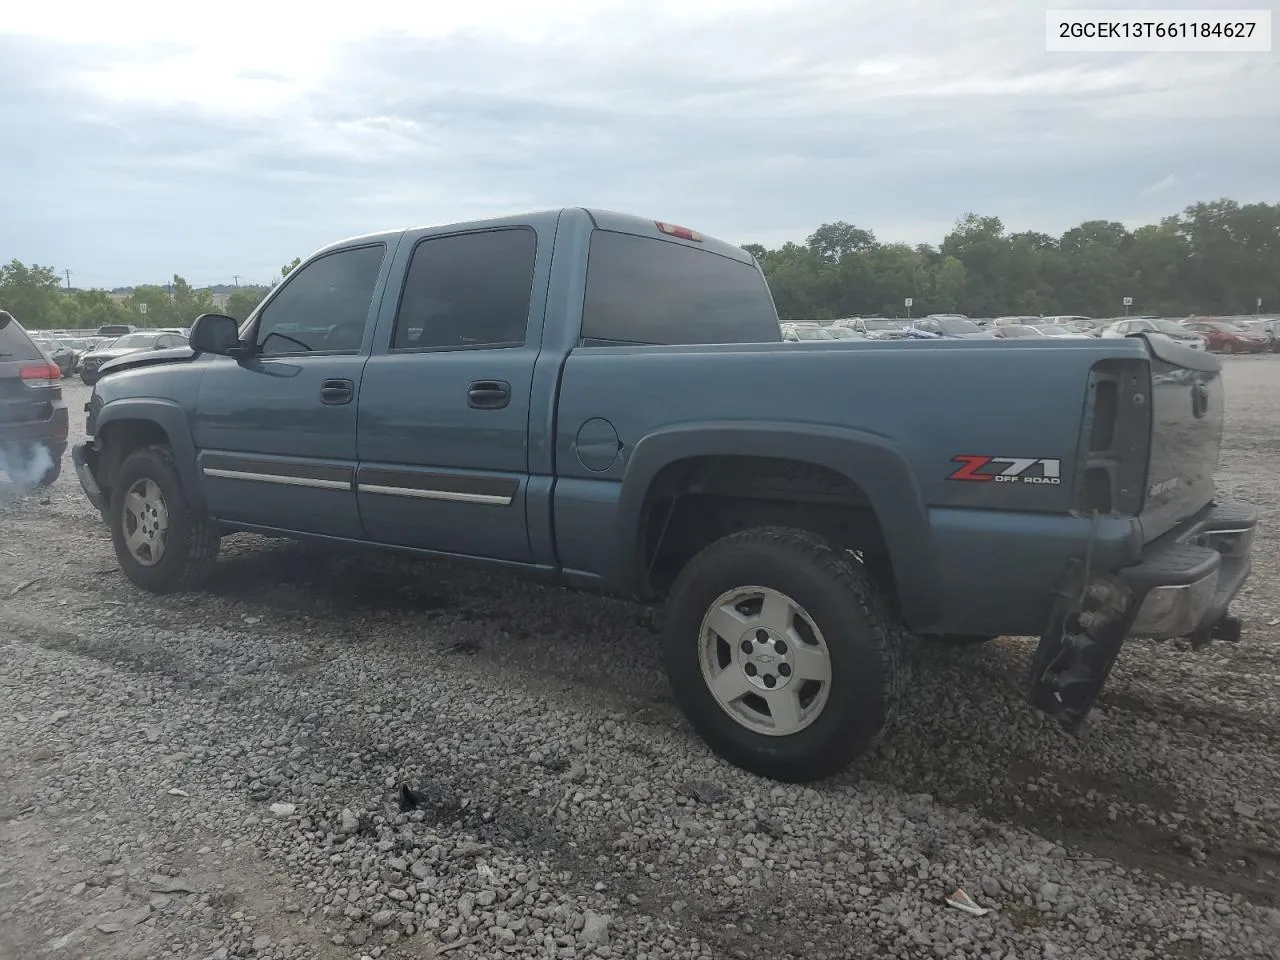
point(990, 551)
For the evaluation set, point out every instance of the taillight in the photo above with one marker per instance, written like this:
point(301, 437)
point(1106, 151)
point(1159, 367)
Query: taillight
point(684, 233)
point(41, 375)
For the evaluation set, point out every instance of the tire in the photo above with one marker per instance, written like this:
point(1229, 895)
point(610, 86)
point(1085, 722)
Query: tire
point(822, 587)
point(184, 553)
point(960, 639)
point(1228, 347)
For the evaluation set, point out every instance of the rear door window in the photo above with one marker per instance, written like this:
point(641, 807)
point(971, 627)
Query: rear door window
point(16, 345)
point(645, 290)
point(467, 290)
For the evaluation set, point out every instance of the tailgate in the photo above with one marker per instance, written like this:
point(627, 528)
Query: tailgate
point(1186, 434)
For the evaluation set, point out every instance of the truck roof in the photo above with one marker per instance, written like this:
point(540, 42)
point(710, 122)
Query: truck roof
point(603, 219)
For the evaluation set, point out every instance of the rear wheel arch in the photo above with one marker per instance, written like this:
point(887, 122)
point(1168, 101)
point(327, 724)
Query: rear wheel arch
point(829, 476)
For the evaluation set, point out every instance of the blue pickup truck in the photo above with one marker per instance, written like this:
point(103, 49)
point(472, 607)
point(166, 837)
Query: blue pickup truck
point(606, 401)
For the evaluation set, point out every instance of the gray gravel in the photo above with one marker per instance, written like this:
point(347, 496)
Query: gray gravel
point(220, 774)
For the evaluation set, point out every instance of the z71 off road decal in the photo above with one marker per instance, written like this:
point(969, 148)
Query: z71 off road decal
point(1007, 469)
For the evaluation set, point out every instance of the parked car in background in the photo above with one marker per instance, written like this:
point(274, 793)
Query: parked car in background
point(1093, 327)
point(950, 326)
point(795, 332)
point(883, 328)
point(1223, 337)
point(1056, 331)
point(92, 363)
point(1169, 328)
point(77, 345)
point(1016, 331)
point(844, 333)
point(58, 352)
point(116, 329)
point(1268, 326)
point(33, 417)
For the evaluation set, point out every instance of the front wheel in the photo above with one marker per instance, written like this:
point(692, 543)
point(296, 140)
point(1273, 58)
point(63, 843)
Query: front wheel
point(161, 543)
point(782, 653)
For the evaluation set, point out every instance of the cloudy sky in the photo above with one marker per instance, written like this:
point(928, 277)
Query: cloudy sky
point(139, 139)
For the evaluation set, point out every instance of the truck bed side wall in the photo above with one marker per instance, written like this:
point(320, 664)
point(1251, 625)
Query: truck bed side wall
point(889, 416)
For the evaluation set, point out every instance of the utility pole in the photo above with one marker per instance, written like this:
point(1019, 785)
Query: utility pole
point(68, 273)
point(236, 279)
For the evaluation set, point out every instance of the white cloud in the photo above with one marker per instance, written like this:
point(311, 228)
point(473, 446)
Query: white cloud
point(1161, 186)
point(751, 119)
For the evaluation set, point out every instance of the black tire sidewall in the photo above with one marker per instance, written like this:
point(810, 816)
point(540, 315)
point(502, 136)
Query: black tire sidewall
point(167, 574)
point(857, 706)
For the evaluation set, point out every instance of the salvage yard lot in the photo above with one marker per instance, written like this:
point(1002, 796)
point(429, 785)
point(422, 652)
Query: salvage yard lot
point(216, 774)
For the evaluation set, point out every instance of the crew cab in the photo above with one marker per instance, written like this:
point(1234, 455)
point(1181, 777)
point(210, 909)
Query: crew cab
point(607, 401)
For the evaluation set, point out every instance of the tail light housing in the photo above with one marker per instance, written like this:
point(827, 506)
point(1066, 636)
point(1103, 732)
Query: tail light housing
point(35, 375)
point(1116, 438)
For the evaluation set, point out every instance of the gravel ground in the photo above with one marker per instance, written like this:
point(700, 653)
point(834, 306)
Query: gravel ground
point(221, 774)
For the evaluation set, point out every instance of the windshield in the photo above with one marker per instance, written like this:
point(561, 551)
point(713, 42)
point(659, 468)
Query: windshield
point(813, 333)
point(1170, 328)
point(133, 341)
point(882, 324)
point(1228, 327)
point(843, 333)
point(1053, 329)
point(958, 326)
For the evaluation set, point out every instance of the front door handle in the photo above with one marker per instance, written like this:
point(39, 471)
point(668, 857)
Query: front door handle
point(336, 392)
point(489, 394)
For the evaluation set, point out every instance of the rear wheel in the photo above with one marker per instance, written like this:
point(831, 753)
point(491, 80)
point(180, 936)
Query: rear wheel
point(1228, 347)
point(782, 654)
point(161, 543)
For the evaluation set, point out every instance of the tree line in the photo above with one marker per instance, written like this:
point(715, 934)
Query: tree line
point(1217, 258)
point(35, 295)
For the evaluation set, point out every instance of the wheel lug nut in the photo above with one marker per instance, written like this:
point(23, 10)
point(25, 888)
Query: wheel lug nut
point(784, 669)
point(749, 669)
point(779, 646)
point(770, 680)
point(746, 646)
point(762, 636)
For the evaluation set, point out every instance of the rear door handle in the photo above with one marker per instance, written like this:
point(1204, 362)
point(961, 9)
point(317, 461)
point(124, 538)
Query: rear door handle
point(336, 392)
point(489, 394)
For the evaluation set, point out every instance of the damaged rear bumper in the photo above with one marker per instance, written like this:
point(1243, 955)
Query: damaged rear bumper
point(1181, 586)
point(1184, 583)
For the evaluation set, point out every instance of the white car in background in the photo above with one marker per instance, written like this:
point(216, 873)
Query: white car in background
point(1174, 331)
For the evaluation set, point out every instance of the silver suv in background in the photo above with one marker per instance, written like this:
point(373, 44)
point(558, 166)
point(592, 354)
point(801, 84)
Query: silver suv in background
point(1168, 328)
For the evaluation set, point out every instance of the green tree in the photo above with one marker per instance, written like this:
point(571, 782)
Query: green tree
point(187, 304)
point(158, 306)
point(288, 267)
point(33, 294)
point(835, 241)
point(244, 300)
point(85, 309)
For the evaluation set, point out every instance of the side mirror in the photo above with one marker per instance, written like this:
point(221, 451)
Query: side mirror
point(5, 319)
point(215, 333)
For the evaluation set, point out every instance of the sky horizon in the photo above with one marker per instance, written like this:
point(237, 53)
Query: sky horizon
point(154, 143)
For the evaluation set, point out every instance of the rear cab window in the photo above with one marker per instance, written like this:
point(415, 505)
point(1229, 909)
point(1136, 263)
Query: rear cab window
point(16, 345)
point(643, 290)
